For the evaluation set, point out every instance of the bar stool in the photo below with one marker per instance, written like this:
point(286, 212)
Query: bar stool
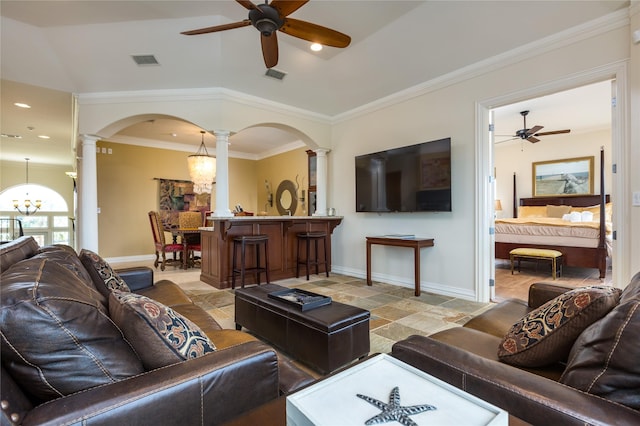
point(242, 242)
point(307, 237)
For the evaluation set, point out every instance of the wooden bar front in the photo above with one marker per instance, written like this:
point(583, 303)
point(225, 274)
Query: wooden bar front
point(217, 245)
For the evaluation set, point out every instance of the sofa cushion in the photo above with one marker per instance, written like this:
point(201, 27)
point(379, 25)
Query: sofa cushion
point(57, 337)
point(546, 334)
point(67, 257)
point(160, 335)
point(497, 320)
point(604, 359)
point(104, 277)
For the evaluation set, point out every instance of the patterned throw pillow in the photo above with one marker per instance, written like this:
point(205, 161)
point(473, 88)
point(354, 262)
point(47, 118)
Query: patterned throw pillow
point(546, 334)
point(160, 335)
point(104, 277)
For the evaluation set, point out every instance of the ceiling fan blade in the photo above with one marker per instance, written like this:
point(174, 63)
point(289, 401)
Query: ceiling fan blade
point(507, 140)
point(315, 33)
point(247, 4)
point(533, 130)
point(269, 49)
point(532, 139)
point(555, 132)
point(287, 7)
point(217, 28)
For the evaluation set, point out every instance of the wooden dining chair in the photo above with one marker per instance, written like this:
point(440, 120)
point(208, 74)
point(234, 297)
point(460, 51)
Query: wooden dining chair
point(162, 248)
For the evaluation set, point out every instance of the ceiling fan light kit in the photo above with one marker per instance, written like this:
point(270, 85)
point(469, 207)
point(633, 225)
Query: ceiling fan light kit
point(268, 18)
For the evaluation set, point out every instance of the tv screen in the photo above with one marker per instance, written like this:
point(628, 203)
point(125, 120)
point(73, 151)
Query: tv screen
point(414, 178)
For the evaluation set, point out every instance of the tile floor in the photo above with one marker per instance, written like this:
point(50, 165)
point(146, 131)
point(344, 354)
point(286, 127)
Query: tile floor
point(395, 312)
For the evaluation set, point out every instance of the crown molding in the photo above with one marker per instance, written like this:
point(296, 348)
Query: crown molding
point(570, 36)
point(176, 146)
point(197, 94)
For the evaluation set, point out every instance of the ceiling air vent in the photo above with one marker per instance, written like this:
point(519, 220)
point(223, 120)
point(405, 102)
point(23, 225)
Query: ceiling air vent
point(145, 59)
point(274, 73)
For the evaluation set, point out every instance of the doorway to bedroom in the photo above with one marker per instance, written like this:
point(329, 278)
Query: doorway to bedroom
point(559, 127)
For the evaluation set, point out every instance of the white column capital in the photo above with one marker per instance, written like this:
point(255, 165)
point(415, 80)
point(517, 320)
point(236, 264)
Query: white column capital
point(89, 138)
point(222, 133)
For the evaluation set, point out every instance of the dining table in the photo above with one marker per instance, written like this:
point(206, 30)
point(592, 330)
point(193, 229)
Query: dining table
point(184, 233)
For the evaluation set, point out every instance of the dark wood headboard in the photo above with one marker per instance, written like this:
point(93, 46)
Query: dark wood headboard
point(572, 200)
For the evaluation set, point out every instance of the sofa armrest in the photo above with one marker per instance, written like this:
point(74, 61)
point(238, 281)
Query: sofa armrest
point(532, 398)
point(541, 293)
point(207, 390)
point(137, 278)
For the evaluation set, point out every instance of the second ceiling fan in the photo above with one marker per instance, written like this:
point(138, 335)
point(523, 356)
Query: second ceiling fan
point(271, 17)
point(532, 133)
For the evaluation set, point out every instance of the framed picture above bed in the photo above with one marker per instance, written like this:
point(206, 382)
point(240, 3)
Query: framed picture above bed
point(569, 176)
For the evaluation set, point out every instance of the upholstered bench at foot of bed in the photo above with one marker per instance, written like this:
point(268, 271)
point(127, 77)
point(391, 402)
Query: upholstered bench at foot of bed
point(554, 256)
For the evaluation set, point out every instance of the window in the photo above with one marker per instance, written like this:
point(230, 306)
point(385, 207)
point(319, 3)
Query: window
point(51, 224)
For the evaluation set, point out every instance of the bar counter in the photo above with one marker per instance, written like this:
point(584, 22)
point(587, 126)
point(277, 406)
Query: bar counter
point(217, 245)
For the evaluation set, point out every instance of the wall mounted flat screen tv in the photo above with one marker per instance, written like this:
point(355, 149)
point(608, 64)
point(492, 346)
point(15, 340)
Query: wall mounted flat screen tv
point(414, 178)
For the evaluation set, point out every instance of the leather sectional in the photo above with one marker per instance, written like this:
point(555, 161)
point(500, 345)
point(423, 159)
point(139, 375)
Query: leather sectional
point(589, 374)
point(67, 361)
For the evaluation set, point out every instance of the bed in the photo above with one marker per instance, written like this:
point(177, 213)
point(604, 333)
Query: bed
point(542, 222)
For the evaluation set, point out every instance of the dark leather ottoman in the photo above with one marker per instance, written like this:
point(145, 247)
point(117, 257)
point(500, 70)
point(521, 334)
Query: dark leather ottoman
point(325, 338)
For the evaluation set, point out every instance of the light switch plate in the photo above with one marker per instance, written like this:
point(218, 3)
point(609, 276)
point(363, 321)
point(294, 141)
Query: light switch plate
point(636, 198)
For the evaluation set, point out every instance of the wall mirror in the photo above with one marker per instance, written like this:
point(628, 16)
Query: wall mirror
point(286, 200)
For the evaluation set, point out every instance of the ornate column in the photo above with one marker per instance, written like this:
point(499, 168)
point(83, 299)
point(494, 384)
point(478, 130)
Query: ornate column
point(222, 174)
point(321, 181)
point(87, 221)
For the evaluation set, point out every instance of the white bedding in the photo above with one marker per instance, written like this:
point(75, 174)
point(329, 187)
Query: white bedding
point(550, 231)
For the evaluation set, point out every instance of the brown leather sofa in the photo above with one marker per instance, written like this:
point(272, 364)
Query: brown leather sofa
point(598, 383)
point(40, 285)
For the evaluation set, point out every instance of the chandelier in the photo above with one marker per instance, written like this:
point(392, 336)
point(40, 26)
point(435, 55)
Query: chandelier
point(202, 169)
point(27, 201)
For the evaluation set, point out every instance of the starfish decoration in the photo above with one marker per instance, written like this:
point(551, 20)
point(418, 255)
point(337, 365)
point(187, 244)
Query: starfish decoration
point(393, 411)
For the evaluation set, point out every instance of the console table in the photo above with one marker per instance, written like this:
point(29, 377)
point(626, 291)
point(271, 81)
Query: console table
point(400, 241)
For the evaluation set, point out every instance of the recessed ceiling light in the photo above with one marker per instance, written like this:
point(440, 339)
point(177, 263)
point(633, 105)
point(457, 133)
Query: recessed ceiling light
point(316, 47)
point(6, 135)
point(22, 105)
point(44, 137)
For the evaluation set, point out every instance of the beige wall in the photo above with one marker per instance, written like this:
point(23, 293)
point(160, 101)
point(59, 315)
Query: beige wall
point(127, 190)
point(277, 169)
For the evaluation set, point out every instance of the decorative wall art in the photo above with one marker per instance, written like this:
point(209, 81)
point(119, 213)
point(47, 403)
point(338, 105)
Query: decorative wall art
point(569, 176)
point(175, 196)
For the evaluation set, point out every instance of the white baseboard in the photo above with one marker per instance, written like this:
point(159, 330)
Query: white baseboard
point(132, 259)
point(437, 288)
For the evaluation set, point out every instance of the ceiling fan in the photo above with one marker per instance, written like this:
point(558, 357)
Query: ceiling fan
point(271, 17)
point(530, 134)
